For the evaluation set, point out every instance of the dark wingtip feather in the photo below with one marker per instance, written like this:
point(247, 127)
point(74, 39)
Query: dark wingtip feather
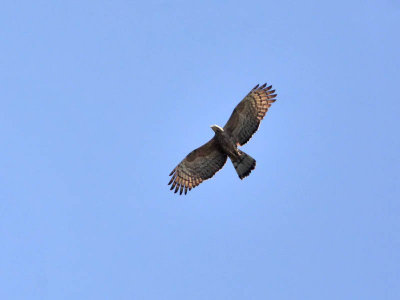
point(263, 86)
point(256, 87)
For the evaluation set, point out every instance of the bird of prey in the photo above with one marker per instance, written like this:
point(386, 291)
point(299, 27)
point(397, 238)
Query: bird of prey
point(203, 162)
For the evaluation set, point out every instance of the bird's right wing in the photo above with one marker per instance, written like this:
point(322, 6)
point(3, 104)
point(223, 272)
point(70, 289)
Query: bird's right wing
point(248, 114)
point(198, 165)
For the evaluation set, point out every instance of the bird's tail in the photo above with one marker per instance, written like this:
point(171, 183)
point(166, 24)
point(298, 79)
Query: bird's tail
point(243, 164)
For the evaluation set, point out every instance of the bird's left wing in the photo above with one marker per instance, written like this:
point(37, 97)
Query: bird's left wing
point(199, 165)
point(247, 115)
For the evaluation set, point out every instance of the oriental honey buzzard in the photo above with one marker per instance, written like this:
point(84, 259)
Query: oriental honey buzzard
point(203, 162)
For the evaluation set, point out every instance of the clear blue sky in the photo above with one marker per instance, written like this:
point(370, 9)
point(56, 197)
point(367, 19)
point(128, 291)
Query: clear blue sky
point(99, 100)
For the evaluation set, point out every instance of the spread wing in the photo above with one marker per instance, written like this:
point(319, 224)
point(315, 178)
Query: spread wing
point(198, 165)
point(247, 115)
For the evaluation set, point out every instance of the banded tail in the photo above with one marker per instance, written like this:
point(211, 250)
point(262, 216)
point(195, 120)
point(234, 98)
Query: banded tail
point(244, 164)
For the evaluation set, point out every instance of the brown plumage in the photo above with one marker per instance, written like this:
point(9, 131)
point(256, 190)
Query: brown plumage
point(203, 162)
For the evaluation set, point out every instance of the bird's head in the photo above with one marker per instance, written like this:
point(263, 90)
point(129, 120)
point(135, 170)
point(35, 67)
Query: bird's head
point(216, 128)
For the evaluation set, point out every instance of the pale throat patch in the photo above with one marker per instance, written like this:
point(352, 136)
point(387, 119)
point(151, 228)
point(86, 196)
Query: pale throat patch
point(216, 126)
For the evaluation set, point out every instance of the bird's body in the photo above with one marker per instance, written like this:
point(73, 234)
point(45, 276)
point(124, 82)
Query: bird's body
point(203, 162)
point(242, 162)
point(225, 142)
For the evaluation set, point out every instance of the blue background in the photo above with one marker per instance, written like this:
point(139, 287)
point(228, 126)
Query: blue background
point(99, 100)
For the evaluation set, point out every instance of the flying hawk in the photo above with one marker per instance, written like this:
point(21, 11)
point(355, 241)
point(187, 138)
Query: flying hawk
point(203, 162)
